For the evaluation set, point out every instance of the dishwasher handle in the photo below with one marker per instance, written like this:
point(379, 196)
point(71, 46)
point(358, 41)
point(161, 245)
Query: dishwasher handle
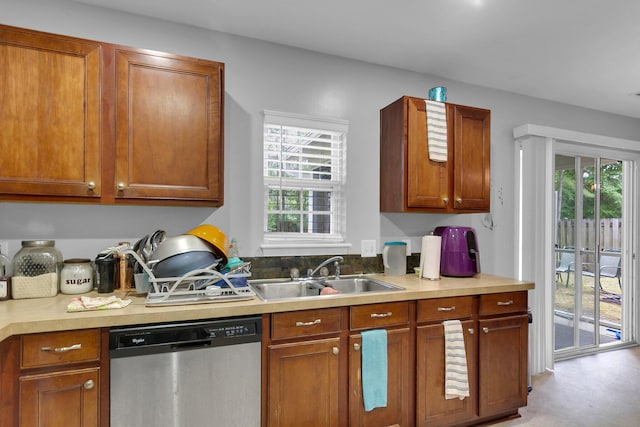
point(192, 345)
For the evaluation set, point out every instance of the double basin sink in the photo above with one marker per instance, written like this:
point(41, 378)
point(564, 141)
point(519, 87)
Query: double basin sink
point(270, 290)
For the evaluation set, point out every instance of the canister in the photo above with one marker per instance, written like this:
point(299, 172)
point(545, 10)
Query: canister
point(76, 276)
point(36, 270)
point(106, 273)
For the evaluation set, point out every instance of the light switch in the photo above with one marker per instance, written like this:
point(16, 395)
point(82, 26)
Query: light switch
point(368, 248)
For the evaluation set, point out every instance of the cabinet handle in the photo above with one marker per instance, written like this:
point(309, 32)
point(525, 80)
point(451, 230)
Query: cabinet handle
point(485, 330)
point(471, 331)
point(89, 384)
point(510, 302)
point(91, 185)
point(452, 308)
point(445, 201)
point(381, 315)
point(458, 201)
point(314, 322)
point(121, 186)
point(335, 350)
point(356, 346)
point(61, 349)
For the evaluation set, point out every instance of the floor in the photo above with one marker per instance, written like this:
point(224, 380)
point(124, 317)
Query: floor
point(599, 390)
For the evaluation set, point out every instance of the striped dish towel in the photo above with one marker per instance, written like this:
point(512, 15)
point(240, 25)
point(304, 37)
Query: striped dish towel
point(437, 131)
point(456, 384)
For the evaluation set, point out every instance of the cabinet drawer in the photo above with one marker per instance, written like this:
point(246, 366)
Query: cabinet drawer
point(508, 302)
point(379, 315)
point(59, 348)
point(444, 308)
point(306, 323)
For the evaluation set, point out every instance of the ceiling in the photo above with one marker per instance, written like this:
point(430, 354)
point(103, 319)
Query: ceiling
point(579, 52)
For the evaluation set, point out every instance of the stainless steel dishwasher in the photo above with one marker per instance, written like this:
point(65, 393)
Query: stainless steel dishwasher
point(201, 373)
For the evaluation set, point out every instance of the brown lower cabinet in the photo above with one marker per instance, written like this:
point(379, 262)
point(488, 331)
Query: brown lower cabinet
point(432, 408)
point(502, 364)
point(309, 378)
point(303, 383)
point(398, 379)
point(68, 397)
point(55, 379)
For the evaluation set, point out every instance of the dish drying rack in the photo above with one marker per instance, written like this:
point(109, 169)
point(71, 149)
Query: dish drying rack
point(195, 287)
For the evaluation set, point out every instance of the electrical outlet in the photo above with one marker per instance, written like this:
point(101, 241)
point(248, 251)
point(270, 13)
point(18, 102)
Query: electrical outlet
point(4, 247)
point(408, 242)
point(368, 248)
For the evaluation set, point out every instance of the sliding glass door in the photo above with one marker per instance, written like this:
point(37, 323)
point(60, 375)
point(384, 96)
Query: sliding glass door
point(589, 244)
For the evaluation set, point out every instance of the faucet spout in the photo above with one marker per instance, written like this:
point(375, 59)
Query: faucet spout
point(336, 262)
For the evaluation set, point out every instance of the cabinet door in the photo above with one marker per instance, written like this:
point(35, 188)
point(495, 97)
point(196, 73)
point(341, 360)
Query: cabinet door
point(49, 115)
point(66, 398)
point(471, 168)
point(398, 382)
point(432, 407)
point(427, 181)
point(169, 136)
point(303, 383)
point(502, 360)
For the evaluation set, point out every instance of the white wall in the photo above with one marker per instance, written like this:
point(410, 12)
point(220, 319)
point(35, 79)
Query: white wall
point(261, 76)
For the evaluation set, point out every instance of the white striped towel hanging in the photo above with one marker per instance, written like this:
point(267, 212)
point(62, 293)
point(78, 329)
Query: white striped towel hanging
point(455, 361)
point(436, 130)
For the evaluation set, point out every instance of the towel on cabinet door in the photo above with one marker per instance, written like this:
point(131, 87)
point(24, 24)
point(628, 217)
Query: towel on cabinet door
point(455, 361)
point(374, 369)
point(436, 130)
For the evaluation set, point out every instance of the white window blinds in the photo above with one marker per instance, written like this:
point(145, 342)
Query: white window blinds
point(304, 177)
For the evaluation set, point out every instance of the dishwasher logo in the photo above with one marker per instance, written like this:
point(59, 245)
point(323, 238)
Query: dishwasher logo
point(137, 341)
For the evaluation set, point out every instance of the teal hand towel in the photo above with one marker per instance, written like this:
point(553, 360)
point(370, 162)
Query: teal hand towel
point(374, 369)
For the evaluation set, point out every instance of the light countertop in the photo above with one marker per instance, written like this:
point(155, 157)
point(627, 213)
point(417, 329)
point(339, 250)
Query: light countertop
point(49, 314)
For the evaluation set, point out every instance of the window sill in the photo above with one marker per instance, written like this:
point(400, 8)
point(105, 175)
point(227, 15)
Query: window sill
point(304, 248)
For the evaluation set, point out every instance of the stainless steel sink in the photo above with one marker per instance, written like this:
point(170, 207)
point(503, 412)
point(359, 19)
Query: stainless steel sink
point(269, 290)
point(274, 290)
point(359, 284)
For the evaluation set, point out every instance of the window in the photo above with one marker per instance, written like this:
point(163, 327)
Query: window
point(304, 178)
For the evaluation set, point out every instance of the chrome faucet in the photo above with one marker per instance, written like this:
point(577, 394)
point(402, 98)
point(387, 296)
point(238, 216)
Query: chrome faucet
point(336, 263)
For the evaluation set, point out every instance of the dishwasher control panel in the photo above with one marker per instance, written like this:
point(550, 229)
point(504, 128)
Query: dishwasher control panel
point(232, 331)
point(169, 337)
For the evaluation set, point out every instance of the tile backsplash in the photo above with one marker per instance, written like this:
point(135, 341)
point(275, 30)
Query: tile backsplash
point(280, 267)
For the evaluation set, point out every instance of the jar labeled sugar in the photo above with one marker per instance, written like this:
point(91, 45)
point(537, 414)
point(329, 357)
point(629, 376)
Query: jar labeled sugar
point(76, 276)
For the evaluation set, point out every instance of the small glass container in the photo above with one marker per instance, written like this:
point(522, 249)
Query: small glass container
point(5, 277)
point(76, 276)
point(36, 270)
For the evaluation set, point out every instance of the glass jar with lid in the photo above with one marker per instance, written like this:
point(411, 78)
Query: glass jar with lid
point(36, 270)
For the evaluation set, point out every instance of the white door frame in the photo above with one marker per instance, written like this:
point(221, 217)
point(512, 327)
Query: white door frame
point(534, 239)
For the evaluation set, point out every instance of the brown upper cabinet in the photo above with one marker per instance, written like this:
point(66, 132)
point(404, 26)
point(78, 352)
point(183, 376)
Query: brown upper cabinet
point(92, 122)
point(411, 182)
point(50, 115)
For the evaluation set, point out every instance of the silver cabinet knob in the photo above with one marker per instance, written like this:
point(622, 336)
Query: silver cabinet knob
point(445, 200)
point(336, 350)
point(356, 346)
point(121, 186)
point(91, 185)
point(89, 384)
point(459, 200)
